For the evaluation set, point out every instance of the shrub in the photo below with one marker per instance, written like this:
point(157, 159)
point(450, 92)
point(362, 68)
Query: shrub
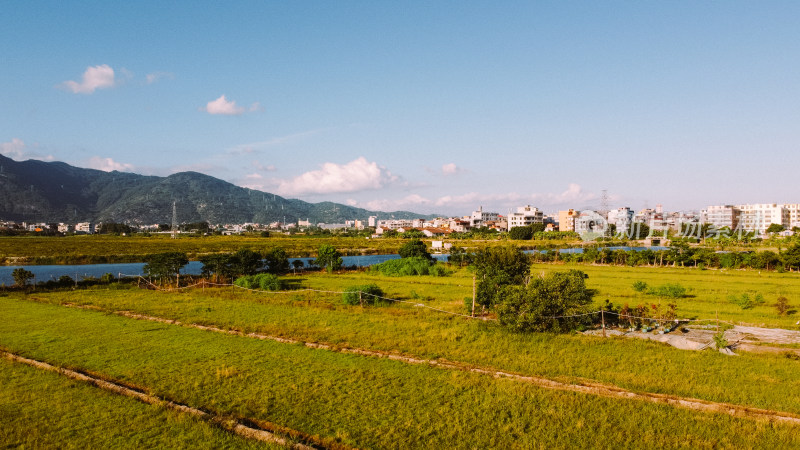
point(745, 302)
point(410, 267)
point(782, 305)
point(669, 290)
point(639, 286)
point(263, 281)
point(555, 302)
point(367, 294)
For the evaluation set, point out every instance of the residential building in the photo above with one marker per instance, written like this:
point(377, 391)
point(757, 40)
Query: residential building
point(794, 214)
point(566, 220)
point(590, 222)
point(478, 217)
point(721, 216)
point(758, 217)
point(621, 218)
point(84, 227)
point(525, 215)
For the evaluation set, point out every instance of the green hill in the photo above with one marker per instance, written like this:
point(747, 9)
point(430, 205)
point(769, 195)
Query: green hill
point(38, 191)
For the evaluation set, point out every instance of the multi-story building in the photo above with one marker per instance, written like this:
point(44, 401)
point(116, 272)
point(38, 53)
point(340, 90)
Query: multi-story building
point(84, 227)
point(794, 214)
point(525, 215)
point(479, 217)
point(758, 217)
point(621, 218)
point(566, 220)
point(721, 216)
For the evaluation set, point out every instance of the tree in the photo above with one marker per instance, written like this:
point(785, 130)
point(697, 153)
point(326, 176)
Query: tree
point(521, 233)
point(276, 261)
point(218, 265)
point(496, 267)
point(163, 266)
point(21, 276)
point(546, 303)
point(246, 262)
point(329, 258)
point(791, 257)
point(458, 255)
point(415, 248)
point(775, 228)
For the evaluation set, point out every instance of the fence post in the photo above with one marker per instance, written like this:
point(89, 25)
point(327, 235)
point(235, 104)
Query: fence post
point(603, 321)
point(473, 296)
point(360, 300)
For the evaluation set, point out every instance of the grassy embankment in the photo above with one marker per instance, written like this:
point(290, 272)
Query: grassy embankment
point(369, 402)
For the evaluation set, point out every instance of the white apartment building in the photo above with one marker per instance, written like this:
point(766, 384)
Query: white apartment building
point(479, 217)
point(758, 217)
point(794, 214)
point(621, 218)
point(84, 227)
point(525, 215)
point(721, 216)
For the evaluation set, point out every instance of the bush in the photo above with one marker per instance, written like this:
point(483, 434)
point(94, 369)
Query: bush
point(669, 290)
point(262, 281)
point(639, 286)
point(543, 304)
point(410, 267)
point(370, 294)
point(745, 302)
point(782, 306)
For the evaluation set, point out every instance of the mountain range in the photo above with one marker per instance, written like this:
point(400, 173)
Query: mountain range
point(39, 191)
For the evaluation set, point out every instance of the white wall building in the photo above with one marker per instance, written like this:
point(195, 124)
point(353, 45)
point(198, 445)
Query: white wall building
point(721, 216)
point(525, 215)
point(479, 217)
point(621, 218)
point(758, 217)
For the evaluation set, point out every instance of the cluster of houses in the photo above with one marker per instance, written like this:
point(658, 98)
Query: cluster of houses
point(747, 217)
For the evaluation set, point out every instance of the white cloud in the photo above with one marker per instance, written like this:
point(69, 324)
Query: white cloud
point(97, 77)
point(451, 169)
point(14, 149)
point(224, 107)
point(108, 165)
point(17, 149)
point(357, 175)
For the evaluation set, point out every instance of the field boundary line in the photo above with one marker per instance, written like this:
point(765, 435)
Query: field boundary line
point(229, 424)
point(588, 387)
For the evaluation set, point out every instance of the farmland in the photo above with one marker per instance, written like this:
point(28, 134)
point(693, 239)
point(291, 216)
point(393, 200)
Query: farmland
point(333, 397)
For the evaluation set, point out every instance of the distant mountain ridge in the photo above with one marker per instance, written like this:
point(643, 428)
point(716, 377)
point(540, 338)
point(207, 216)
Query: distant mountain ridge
point(38, 191)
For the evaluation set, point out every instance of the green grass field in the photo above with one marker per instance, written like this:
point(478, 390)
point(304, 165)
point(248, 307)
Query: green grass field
point(354, 400)
point(377, 403)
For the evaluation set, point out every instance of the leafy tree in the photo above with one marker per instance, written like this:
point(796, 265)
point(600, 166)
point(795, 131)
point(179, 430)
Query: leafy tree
point(775, 228)
point(276, 261)
point(298, 264)
point(329, 258)
point(246, 262)
point(114, 228)
point(22, 276)
point(521, 233)
point(496, 267)
point(412, 234)
point(543, 304)
point(415, 248)
point(459, 255)
point(219, 265)
point(163, 266)
point(791, 257)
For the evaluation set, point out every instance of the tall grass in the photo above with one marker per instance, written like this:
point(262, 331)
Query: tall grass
point(355, 400)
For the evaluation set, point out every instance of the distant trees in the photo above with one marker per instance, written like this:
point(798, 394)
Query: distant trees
point(114, 228)
point(775, 228)
point(520, 233)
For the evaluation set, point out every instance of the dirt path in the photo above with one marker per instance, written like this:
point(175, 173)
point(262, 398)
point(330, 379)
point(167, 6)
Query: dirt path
point(587, 387)
point(258, 433)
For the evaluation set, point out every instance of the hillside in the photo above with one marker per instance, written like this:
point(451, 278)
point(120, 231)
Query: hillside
point(40, 191)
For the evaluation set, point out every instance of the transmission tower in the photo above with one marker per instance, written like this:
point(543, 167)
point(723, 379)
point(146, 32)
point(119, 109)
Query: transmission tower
point(174, 220)
point(604, 208)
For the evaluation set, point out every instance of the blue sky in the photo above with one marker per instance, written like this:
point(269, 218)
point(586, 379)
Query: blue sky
point(425, 106)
